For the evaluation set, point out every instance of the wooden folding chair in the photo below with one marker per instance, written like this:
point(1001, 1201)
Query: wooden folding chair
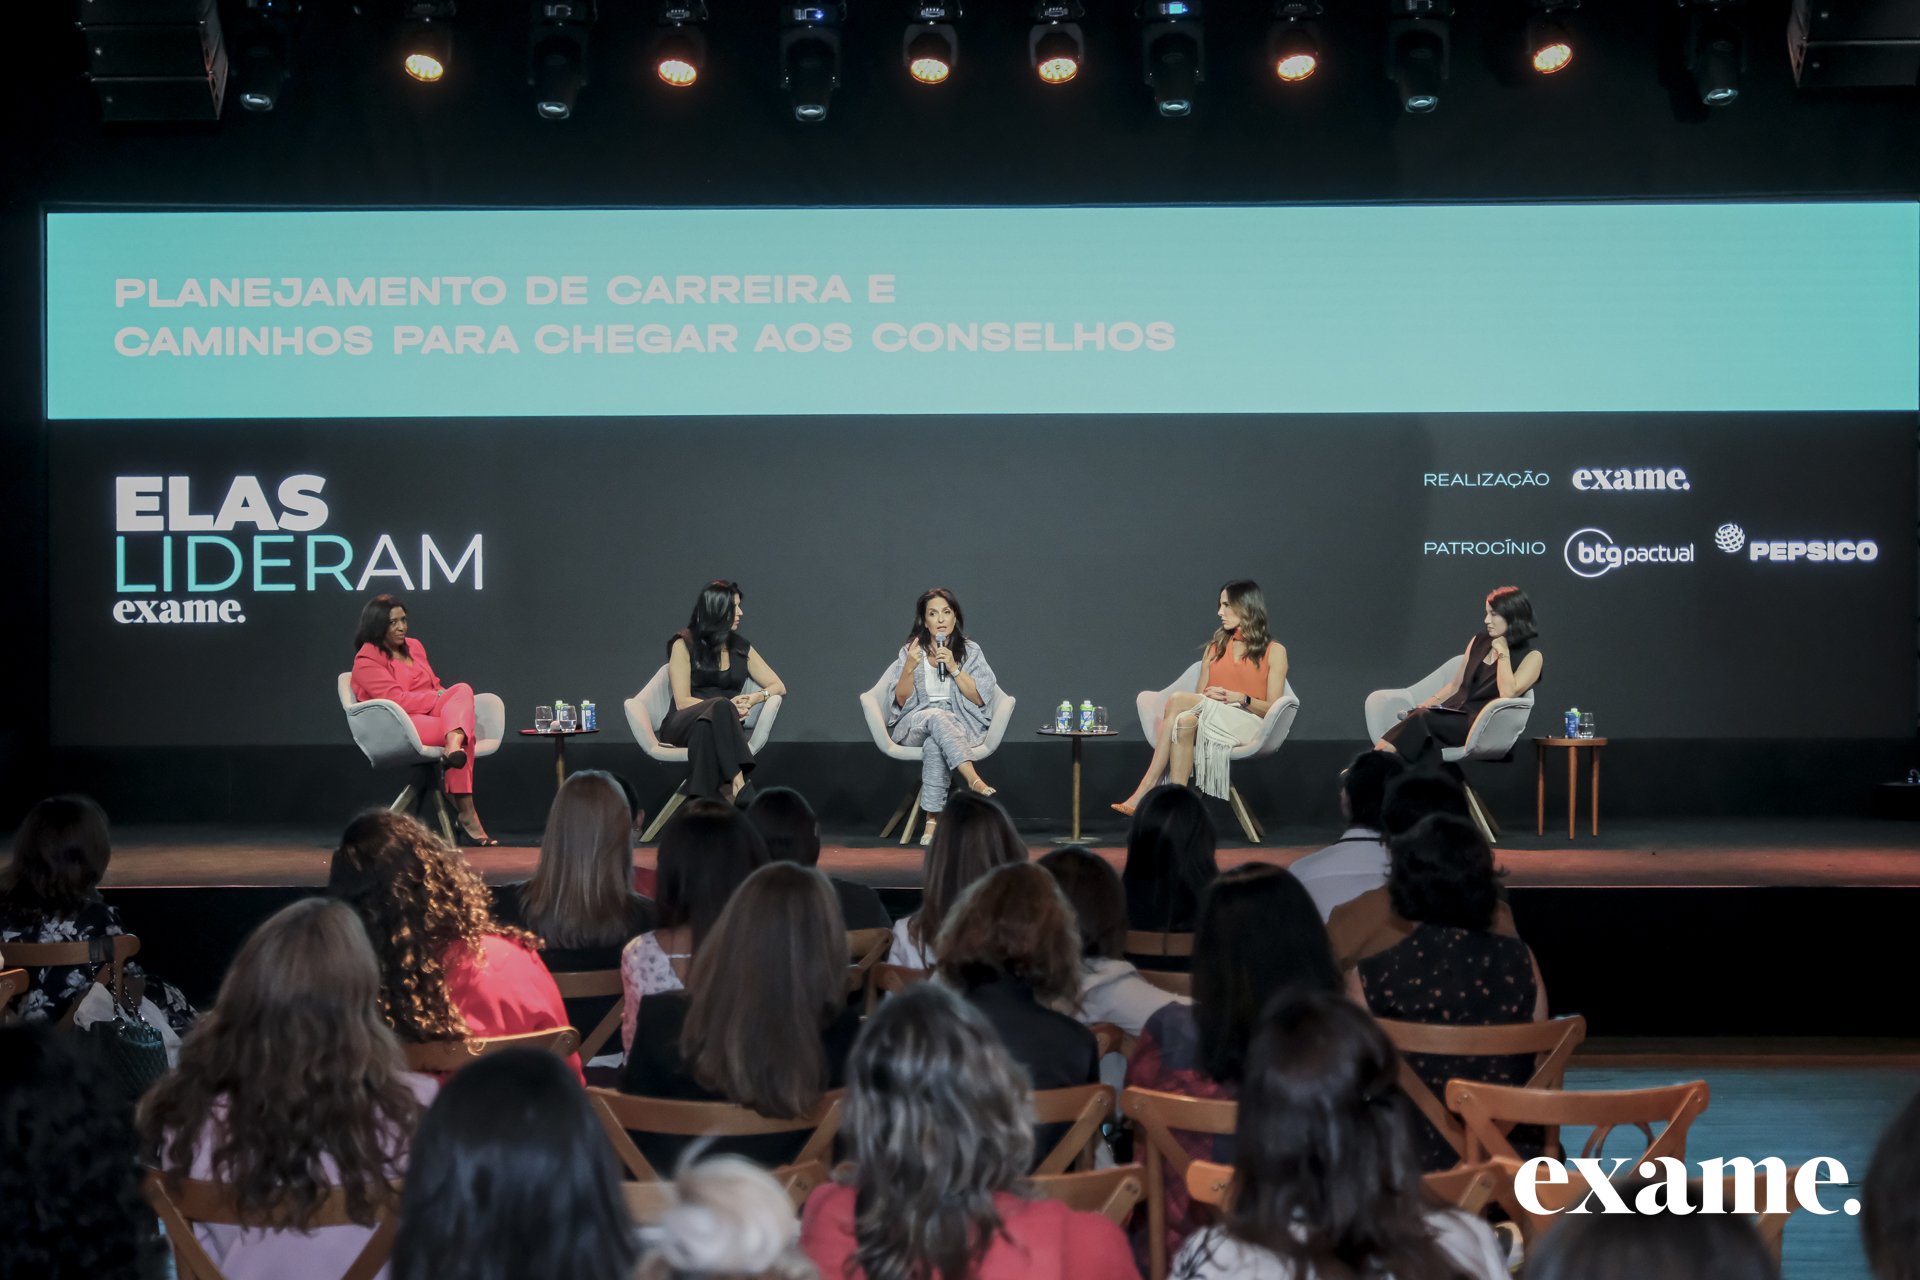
point(107, 957)
point(649, 1201)
point(1147, 942)
point(1156, 1115)
point(1490, 1111)
point(1180, 984)
point(1113, 1039)
point(189, 1201)
point(1113, 1193)
point(622, 1115)
point(444, 1057)
point(1467, 1188)
point(1084, 1107)
point(589, 985)
point(1551, 1043)
point(866, 948)
point(13, 985)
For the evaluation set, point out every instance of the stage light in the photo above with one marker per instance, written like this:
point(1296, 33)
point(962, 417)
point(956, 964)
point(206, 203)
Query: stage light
point(1549, 43)
point(1418, 48)
point(931, 45)
point(426, 40)
point(260, 48)
point(810, 56)
point(1716, 50)
point(557, 55)
point(679, 47)
point(1055, 43)
point(1293, 41)
point(1173, 47)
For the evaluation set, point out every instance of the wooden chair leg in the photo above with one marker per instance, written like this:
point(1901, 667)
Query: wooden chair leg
point(913, 819)
point(1480, 817)
point(667, 810)
point(403, 803)
point(1156, 1205)
point(446, 818)
point(906, 801)
point(1246, 819)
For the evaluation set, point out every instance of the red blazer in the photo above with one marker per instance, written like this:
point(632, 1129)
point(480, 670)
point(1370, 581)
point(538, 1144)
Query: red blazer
point(504, 990)
point(1048, 1241)
point(376, 674)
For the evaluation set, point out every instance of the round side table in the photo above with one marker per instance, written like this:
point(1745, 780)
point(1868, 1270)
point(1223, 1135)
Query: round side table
point(1573, 746)
point(559, 737)
point(1076, 736)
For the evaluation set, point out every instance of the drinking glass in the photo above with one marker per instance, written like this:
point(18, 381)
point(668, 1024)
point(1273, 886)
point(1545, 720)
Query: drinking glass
point(542, 719)
point(1586, 724)
point(563, 716)
point(1099, 719)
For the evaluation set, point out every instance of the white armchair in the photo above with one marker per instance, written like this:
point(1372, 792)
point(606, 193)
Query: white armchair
point(1274, 727)
point(649, 708)
point(386, 734)
point(873, 709)
point(1492, 736)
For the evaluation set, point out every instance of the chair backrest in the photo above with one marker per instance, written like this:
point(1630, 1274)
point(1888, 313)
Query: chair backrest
point(444, 1057)
point(866, 948)
point(188, 1201)
point(1467, 1187)
point(595, 984)
point(1084, 1108)
point(1111, 1038)
point(654, 703)
point(1179, 984)
point(1113, 1193)
point(1490, 1111)
point(623, 1114)
point(107, 956)
point(346, 690)
point(1150, 942)
point(1499, 726)
point(648, 1202)
point(1552, 1042)
point(13, 985)
point(1156, 1115)
point(872, 713)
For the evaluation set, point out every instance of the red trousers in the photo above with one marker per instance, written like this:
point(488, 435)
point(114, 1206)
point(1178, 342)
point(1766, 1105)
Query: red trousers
point(454, 710)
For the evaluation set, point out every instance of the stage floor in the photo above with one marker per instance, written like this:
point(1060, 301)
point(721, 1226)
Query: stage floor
point(1693, 854)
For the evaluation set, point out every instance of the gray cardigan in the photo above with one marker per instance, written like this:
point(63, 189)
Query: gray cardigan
point(974, 664)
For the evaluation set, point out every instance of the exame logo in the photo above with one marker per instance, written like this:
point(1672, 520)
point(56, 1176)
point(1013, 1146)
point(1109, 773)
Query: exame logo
point(167, 542)
point(1633, 479)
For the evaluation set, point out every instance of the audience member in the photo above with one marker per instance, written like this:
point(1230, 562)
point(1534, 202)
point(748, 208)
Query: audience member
point(1890, 1199)
point(580, 901)
point(51, 893)
point(1661, 1246)
point(764, 1021)
point(1357, 861)
point(1111, 989)
point(728, 1220)
point(975, 835)
point(512, 1178)
point(292, 1086)
point(1367, 922)
point(1325, 1182)
point(706, 852)
point(1449, 966)
point(1169, 860)
point(448, 971)
point(69, 1175)
point(792, 833)
point(940, 1135)
point(1258, 935)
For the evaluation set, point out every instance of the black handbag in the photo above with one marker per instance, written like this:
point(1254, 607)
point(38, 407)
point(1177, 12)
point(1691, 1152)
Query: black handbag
point(132, 1050)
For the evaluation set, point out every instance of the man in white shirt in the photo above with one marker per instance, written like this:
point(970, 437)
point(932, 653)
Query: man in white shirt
point(1357, 861)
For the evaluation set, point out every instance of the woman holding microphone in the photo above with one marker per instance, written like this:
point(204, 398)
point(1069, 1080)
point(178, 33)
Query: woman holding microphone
point(942, 700)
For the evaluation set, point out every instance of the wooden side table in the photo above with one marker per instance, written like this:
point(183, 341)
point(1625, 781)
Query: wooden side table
point(559, 737)
point(1077, 736)
point(1573, 746)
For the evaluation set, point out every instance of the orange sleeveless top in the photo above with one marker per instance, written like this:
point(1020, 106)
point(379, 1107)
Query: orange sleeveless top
point(1239, 675)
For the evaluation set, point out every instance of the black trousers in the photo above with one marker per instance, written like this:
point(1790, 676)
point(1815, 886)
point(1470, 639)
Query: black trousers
point(716, 744)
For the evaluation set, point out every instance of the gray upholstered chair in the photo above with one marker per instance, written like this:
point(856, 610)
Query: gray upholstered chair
point(1492, 736)
point(1274, 727)
point(388, 737)
point(873, 710)
point(649, 708)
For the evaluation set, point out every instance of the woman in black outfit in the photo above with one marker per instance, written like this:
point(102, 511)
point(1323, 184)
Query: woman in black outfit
point(708, 664)
point(1501, 662)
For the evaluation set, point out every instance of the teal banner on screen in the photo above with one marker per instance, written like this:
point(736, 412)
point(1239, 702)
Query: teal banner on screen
point(1401, 309)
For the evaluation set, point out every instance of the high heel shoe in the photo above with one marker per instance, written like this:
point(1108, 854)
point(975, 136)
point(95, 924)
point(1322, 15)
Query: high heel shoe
point(455, 759)
point(462, 836)
point(1122, 807)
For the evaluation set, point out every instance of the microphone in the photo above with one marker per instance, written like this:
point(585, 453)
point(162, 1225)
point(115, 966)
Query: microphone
point(940, 642)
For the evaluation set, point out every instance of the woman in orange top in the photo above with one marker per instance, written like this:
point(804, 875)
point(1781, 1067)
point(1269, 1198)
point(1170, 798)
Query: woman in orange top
point(1244, 672)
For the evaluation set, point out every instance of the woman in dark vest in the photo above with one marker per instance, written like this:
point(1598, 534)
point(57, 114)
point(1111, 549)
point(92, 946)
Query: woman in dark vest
point(1501, 662)
point(708, 664)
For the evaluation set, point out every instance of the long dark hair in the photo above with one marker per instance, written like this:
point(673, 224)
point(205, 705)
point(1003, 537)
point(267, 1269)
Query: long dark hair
point(59, 855)
point(1259, 933)
point(1442, 873)
point(1324, 1170)
point(975, 836)
point(957, 641)
point(711, 625)
point(374, 617)
point(706, 852)
point(511, 1176)
point(1098, 899)
point(1659, 1246)
point(1512, 604)
point(1250, 603)
point(1170, 860)
point(303, 1083)
point(581, 893)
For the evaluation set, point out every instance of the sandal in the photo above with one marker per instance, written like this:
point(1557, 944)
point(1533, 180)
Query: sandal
point(461, 836)
point(1122, 808)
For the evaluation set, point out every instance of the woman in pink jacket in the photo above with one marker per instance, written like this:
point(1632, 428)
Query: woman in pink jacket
point(388, 664)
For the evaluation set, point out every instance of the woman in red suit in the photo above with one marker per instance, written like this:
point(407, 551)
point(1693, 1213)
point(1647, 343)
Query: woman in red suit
point(387, 664)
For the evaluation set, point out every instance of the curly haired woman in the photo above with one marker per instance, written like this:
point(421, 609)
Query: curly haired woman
point(447, 970)
point(290, 1088)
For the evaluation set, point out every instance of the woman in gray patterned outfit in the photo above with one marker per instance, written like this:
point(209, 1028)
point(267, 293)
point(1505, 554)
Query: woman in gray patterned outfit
point(942, 700)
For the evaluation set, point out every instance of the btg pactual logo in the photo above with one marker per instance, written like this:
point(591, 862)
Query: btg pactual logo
point(1592, 553)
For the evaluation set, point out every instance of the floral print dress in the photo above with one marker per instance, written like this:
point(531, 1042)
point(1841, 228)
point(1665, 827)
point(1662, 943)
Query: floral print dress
point(54, 989)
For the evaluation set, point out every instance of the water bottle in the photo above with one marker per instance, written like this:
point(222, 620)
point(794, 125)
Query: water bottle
point(587, 719)
point(1086, 716)
point(1063, 718)
point(1573, 722)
